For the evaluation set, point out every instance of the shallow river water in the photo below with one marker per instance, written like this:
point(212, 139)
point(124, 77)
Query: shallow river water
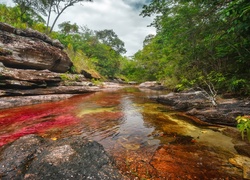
point(147, 140)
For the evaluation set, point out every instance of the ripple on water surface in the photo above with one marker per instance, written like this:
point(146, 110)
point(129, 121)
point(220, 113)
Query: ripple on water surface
point(146, 139)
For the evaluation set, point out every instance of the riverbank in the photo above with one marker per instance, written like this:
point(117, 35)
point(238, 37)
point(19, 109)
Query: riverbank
point(24, 100)
point(194, 103)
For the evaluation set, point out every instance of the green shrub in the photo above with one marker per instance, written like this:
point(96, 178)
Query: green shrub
point(244, 126)
point(239, 86)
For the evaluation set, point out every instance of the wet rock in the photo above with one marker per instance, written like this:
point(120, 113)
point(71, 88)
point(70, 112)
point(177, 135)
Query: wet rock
point(52, 90)
point(243, 149)
point(32, 157)
point(15, 158)
point(194, 103)
point(225, 112)
point(111, 85)
point(184, 101)
point(243, 163)
point(25, 49)
point(16, 101)
point(132, 82)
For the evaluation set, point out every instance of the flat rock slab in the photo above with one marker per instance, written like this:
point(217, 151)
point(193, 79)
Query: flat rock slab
point(17, 101)
point(196, 104)
point(32, 157)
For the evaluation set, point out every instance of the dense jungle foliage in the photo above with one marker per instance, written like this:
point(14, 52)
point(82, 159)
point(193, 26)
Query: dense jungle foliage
point(199, 43)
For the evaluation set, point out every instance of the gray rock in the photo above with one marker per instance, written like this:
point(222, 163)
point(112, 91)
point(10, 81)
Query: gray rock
point(17, 101)
point(31, 157)
point(29, 49)
point(17, 156)
point(194, 103)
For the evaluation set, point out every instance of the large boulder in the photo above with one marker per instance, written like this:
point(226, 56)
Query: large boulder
point(32, 157)
point(29, 49)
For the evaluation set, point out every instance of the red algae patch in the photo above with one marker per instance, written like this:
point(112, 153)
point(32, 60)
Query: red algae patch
point(193, 162)
point(39, 127)
point(17, 122)
point(184, 162)
point(146, 140)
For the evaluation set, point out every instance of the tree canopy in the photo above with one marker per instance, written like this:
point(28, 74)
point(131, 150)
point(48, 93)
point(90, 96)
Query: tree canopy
point(198, 41)
point(110, 38)
point(46, 7)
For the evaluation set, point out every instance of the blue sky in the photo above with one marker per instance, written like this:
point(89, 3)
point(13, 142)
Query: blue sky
point(120, 15)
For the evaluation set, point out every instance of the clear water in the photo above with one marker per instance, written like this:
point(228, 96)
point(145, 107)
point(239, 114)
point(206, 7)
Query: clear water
point(147, 140)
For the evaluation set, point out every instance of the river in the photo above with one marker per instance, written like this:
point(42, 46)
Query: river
point(147, 140)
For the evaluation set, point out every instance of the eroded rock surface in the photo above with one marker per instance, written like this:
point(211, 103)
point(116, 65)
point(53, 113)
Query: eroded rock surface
point(16, 101)
point(34, 66)
point(29, 49)
point(196, 104)
point(32, 157)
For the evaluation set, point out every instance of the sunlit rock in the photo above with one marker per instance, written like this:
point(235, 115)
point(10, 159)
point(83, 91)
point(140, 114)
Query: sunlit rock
point(243, 163)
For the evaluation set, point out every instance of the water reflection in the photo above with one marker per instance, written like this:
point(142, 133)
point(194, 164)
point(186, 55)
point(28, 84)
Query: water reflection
point(132, 133)
point(146, 139)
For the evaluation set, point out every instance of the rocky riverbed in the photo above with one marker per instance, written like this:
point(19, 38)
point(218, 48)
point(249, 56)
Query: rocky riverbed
point(194, 103)
point(33, 69)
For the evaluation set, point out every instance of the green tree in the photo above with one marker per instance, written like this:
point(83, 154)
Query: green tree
point(68, 28)
point(110, 38)
point(46, 7)
point(16, 17)
point(197, 38)
point(101, 53)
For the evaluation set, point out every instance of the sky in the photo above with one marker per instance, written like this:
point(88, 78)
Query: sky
point(120, 15)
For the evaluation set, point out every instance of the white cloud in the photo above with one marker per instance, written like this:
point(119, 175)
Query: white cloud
point(120, 15)
point(7, 2)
